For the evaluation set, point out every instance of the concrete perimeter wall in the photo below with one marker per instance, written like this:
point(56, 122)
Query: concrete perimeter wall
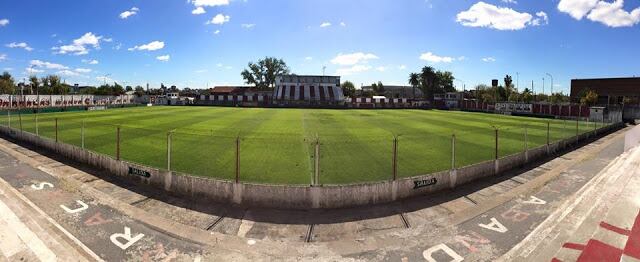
point(301, 197)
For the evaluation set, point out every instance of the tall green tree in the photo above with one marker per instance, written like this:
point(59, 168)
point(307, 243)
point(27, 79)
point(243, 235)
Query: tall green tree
point(7, 84)
point(34, 82)
point(444, 81)
point(414, 81)
point(263, 73)
point(378, 88)
point(348, 89)
point(428, 78)
point(590, 98)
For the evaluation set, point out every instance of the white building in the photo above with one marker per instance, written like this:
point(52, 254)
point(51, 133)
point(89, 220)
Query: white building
point(296, 89)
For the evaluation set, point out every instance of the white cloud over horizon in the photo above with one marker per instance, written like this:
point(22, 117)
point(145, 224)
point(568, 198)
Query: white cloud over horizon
point(47, 65)
point(152, 46)
point(353, 58)
point(611, 14)
point(80, 45)
point(131, 12)
point(163, 58)
point(433, 58)
point(209, 3)
point(219, 19)
point(198, 11)
point(486, 15)
point(22, 45)
point(4, 22)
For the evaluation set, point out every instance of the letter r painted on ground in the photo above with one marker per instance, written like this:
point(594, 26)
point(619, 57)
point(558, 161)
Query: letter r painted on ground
point(127, 237)
point(428, 254)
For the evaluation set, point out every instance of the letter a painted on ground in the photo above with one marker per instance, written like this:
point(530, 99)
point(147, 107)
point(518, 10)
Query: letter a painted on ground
point(428, 254)
point(535, 201)
point(495, 225)
point(126, 236)
point(96, 219)
point(82, 207)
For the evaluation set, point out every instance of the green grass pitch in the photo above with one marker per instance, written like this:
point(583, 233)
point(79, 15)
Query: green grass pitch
point(277, 145)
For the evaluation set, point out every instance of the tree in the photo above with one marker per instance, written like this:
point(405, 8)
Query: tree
point(444, 82)
point(527, 95)
point(35, 84)
point(378, 88)
point(139, 91)
point(414, 81)
point(428, 79)
point(128, 89)
point(590, 98)
point(559, 97)
point(348, 89)
point(263, 74)
point(7, 84)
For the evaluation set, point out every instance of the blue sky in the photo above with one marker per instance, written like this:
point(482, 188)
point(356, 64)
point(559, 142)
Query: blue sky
point(173, 42)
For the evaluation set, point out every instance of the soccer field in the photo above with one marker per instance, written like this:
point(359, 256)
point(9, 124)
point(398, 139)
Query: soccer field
point(277, 145)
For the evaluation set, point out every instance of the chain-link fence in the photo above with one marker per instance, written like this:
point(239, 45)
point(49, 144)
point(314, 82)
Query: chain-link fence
point(304, 159)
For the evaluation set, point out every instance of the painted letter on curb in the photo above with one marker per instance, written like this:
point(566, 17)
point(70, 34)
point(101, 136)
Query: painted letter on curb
point(428, 254)
point(41, 185)
point(96, 219)
point(126, 236)
point(82, 207)
point(535, 201)
point(495, 225)
point(472, 237)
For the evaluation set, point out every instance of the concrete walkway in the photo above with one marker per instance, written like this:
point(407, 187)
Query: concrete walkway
point(601, 222)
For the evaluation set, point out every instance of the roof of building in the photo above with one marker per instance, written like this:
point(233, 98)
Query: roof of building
point(607, 78)
point(228, 89)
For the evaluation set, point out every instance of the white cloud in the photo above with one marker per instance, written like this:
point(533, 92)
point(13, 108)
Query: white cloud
point(308, 58)
point(67, 73)
point(248, 26)
point(3, 57)
point(108, 40)
point(325, 24)
point(4, 22)
point(216, 32)
point(47, 65)
point(488, 59)
point(353, 70)
point(103, 79)
point(381, 69)
point(155, 45)
point(163, 58)
point(402, 67)
point(128, 13)
point(462, 58)
point(118, 46)
point(541, 19)
point(211, 3)
point(23, 45)
point(613, 14)
point(30, 70)
point(510, 1)
point(343, 24)
point(201, 71)
point(83, 70)
point(198, 11)
point(431, 57)
point(7, 69)
point(79, 46)
point(352, 59)
point(219, 19)
point(91, 62)
point(482, 14)
point(577, 8)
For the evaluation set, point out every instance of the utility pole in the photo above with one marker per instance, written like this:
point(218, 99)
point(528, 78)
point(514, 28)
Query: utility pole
point(517, 81)
point(551, 82)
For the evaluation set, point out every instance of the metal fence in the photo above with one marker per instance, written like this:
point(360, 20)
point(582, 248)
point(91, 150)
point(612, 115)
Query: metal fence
point(304, 160)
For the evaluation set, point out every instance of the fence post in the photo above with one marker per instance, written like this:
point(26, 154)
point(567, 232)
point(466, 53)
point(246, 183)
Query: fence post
point(237, 159)
point(453, 151)
point(169, 151)
point(395, 158)
point(564, 127)
point(497, 156)
point(316, 176)
point(37, 131)
point(548, 128)
point(526, 139)
point(56, 130)
point(9, 117)
point(82, 134)
point(578, 124)
point(118, 143)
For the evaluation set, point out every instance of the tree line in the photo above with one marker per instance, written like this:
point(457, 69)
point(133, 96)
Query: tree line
point(52, 85)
